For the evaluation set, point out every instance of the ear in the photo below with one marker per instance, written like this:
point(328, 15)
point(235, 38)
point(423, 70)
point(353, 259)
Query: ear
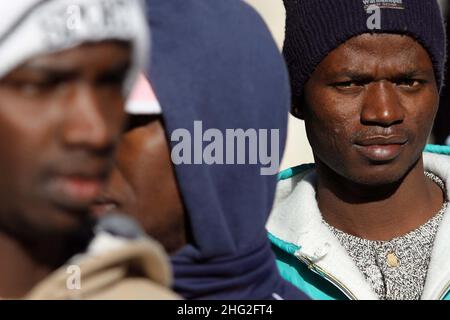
point(297, 107)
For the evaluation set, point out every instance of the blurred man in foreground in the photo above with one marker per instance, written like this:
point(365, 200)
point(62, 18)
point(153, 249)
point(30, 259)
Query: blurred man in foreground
point(66, 69)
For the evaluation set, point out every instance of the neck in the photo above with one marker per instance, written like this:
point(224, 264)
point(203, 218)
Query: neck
point(23, 264)
point(381, 212)
point(19, 270)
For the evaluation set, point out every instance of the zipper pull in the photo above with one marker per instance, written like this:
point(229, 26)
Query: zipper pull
point(318, 254)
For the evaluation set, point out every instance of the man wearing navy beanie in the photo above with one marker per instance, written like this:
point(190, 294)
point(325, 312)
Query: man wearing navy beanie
point(369, 219)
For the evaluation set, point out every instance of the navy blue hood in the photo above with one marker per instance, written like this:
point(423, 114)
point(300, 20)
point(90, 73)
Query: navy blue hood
point(216, 62)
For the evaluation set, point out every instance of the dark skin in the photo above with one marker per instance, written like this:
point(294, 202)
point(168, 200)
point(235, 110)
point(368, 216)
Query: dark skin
point(369, 108)
point(60, 117)
point(143, 183)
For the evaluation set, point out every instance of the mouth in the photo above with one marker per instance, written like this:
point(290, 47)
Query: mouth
point(76, 191)
point(381, 148)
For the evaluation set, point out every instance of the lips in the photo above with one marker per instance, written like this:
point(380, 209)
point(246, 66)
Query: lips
point(381, 148)
point(381, 140)
point(76, 191)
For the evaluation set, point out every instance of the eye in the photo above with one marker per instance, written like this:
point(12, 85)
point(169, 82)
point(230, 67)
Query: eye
point(350, 86)
point(410, 83)
point(347, 84)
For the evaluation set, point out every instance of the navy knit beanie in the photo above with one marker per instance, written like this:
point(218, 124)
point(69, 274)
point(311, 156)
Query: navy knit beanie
point(316, 27)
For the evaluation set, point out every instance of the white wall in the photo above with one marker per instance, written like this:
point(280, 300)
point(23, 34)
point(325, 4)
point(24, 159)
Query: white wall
point(298, 150)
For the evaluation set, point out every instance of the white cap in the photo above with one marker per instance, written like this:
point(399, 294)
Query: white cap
point(30, 28)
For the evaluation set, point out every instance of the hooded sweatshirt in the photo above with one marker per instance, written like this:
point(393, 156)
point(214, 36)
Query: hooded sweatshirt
point(216, 62)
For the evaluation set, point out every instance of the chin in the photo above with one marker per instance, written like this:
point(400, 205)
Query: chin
point(61, 222)
point(379, 175)
point(378, 180)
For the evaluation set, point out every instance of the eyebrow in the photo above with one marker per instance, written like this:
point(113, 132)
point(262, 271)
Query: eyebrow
point(362, 77)
point(67, 73)
point(51, 72)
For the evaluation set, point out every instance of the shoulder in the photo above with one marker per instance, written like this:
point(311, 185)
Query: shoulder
point(295, 205)
point(134, 288)
point(437, 159)
point(289, 179)
point(138, 270)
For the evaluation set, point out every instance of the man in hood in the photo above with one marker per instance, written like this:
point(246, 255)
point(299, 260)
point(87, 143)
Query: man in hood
point(66, 69)
point(214, 67)
point(370, 219)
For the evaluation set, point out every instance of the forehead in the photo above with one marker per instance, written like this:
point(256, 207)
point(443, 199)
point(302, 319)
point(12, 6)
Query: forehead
point(89, 56)
point(377, 52)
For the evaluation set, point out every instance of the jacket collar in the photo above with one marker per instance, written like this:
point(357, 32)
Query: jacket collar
point(438, 277)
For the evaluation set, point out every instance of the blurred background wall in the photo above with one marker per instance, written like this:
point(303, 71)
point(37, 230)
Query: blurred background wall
point(297, 150)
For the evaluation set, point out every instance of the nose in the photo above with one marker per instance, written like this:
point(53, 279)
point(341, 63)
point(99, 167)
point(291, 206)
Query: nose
point(86, 123)
point(382, 106)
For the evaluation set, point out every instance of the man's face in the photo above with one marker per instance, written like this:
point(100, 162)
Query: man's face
point(369, 108)
point(143, 183)
point(60, 115)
